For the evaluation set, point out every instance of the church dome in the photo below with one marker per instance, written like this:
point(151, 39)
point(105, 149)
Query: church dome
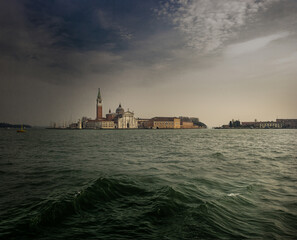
point(120, 110)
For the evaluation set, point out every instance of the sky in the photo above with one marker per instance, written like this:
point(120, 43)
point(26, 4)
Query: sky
point(213, 59)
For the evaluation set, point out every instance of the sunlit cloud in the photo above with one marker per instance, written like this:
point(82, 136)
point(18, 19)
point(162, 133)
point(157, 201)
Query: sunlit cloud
point(207, 24)
point(252, 45)
point(292, 58)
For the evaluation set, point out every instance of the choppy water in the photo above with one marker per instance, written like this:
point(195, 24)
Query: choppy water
point(148, 184)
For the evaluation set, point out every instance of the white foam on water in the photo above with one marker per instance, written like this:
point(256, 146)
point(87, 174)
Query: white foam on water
point(233, 194)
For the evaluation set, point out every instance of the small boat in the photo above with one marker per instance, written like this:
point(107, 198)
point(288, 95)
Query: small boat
point(22, 130)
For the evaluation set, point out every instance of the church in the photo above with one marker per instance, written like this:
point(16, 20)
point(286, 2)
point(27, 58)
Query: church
point(118, 120)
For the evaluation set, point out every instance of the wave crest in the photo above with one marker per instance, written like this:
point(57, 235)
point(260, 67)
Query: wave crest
point(101, 191)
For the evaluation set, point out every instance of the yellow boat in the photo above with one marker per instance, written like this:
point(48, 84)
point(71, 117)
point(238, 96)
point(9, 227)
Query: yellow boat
point(22, 130)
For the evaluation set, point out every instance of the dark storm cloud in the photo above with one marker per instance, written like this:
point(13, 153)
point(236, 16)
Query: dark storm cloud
point(62, 41)
point(57, 41)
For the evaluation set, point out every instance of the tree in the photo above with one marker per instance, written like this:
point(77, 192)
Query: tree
point(237, 123)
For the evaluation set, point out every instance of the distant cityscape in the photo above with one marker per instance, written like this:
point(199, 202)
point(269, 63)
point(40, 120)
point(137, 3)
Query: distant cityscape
point(121, 119)
point(279, 123)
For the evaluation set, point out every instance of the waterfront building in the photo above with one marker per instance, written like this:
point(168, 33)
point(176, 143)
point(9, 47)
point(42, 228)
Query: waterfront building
point(110, 116)
point(107, 124)
point(163, 123)
point(264, 124)
point(84, 122)
point(186, 124)
point(101, 124)
point(120, 119)
point(143, 122)
point(92, 124)
point(190, 122)
point(270, 125)
point(288, 123)
point(126, 120)
point(250, 124)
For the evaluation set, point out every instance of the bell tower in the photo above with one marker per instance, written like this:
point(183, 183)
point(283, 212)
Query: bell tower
point(99, 106)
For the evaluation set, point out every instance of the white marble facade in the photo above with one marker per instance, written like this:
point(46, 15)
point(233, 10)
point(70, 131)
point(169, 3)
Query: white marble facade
point(127, 120)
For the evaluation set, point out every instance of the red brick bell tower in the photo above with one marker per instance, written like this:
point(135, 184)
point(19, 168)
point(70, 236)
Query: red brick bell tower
point(99, 106)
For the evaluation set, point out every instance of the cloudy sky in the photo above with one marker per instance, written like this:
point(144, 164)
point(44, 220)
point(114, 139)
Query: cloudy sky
point(213, 59)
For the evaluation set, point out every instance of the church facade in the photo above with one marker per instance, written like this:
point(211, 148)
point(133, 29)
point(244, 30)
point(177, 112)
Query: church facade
point(127, 120)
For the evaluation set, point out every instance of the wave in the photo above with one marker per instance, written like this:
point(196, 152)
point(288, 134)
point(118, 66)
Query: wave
point(166, 203)
point(101, 191)
point(155, 204)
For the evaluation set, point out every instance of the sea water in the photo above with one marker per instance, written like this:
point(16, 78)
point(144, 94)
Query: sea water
point(148, 184)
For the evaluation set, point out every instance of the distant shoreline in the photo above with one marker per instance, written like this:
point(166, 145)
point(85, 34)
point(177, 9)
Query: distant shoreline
point(8, 125)
point(134, 129)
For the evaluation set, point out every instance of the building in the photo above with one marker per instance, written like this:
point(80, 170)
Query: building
point(88, 123)
point(163, 123)
point(92, 124)
point(270, 125)
point(143, 122)
point(110, 116)
point(126, 120)
point(101, 124)
point(288, 123)
point(250, 124)
point(190, 123)
point(265, 124)
point(185, 124)
point(105, 124)
point(99, 106)
point(84, 121)
point(120, 119)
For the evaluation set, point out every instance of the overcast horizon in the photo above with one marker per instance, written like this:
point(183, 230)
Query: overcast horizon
point(215, 60)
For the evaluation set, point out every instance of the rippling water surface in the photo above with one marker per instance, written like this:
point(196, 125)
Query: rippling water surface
point(148, 184)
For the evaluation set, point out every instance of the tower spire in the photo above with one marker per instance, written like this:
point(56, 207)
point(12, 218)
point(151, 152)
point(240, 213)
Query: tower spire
point(99, 95)
point(99, 106)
